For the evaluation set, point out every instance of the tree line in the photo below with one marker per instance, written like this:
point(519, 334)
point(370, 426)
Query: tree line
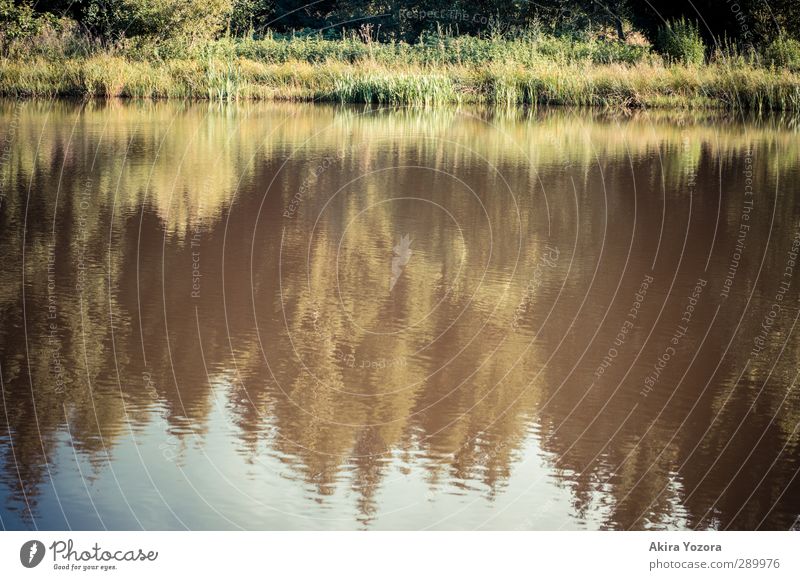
point(734, 22)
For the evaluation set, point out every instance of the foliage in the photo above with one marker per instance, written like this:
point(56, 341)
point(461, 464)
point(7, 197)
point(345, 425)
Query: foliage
point(508, 53)
point(18, 21)
point(158, 19)
point(745, 22)
point(680, 41)
point(218, 75)
point(783, 52)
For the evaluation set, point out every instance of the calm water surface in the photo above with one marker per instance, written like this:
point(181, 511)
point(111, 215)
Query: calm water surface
point(309, 317)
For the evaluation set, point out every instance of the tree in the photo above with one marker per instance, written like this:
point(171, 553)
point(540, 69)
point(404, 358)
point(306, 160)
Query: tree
point(744, 22)
point(17, 20)
point(158, 19)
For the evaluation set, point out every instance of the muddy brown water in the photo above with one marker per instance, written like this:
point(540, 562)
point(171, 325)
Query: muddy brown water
point(279, 316)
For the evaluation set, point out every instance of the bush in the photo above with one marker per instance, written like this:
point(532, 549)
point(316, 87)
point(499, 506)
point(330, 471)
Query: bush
point(617, 52)
point(783, 52)
point(158, 19)
point(18, 21)
point(680, 41)
point(25, 33)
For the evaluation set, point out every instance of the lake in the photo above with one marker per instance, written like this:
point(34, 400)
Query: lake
point(286, 316)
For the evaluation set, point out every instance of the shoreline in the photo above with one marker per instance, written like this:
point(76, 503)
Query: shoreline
point(617, 86)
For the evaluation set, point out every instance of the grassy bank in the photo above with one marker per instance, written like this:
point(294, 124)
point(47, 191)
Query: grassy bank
point(437, 70)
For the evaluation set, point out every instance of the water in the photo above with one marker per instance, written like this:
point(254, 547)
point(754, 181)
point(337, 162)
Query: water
point(308, 317)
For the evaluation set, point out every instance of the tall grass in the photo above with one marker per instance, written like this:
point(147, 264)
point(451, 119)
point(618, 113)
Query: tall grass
point(223, 81)
point(394, 89)
point(440, 50)
point(680, 41)
point(440, 69)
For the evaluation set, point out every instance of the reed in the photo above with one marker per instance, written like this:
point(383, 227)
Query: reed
point(388, 87)
point(438, 70)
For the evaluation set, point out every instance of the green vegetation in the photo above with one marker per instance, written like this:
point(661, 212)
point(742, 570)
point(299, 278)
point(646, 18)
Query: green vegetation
point(222, 51)
point(680, 42)
point(784, 52)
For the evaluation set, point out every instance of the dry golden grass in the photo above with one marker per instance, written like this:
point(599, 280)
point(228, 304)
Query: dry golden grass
point(646, 84)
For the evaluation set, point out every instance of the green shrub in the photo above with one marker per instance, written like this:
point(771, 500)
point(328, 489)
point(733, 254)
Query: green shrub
point(618, 52)
point(158, 19)
point(783, 52)
point(18, 21)
point(680, 41)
